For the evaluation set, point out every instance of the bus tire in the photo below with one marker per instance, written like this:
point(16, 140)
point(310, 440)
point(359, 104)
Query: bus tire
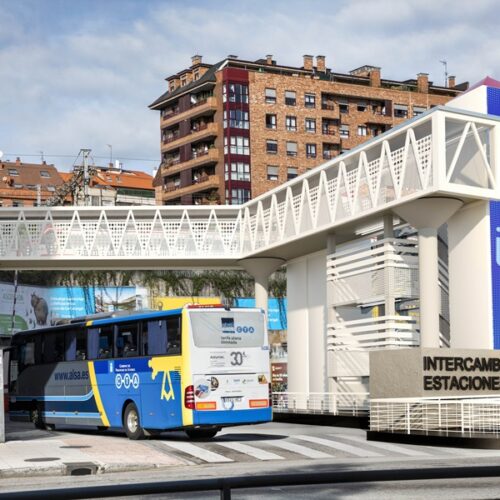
point(132, 423)
point(202, 433)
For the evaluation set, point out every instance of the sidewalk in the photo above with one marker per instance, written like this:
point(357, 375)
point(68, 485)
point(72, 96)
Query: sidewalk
point(31, 452)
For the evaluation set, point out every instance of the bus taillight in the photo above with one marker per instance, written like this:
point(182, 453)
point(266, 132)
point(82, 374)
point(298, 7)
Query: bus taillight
point(189, 397)
point(270, 396)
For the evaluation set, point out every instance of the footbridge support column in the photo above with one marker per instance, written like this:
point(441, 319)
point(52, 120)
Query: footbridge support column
point(427, 215)
point(260, 269)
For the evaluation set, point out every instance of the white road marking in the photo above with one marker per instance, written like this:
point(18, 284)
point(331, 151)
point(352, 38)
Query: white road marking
point(249, 450)
point(196, 451)
point(386, 446)
point(299, 449)
point(353, 450)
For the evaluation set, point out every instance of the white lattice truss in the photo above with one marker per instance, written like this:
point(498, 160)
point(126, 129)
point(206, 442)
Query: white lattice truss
point(444, 151)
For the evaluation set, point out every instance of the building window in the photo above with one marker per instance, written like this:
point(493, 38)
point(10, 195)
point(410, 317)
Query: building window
point(310, 150)
point(291, 148)
point(272, 172)
point(239, 171)
point(17, 203)
point(271, 122)
point(290, 98)
point(291, 123)
point(196, 75)
point(272, 147)
point(44, 173)
point(13, 172)
point(418, 110)
point(270, 96)
point(17, 186)
point(237, 119)
point(311, 125)
point(238, 196)
point(344, 107)
point(235, 92)
point(362, 130)
point(238, 145)
point(183, 81)
point(344, 131)
point(291, 173)
point(310, 100)
point(51, 188)
point(361, 106)
point(400, 111)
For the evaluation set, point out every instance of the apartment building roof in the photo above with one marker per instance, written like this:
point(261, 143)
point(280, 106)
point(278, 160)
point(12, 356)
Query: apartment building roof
point(358, 76)
point(128, 179)
point(28, 175)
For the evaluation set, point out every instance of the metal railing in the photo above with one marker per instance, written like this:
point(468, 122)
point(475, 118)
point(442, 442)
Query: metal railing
point(324, 403)
point(440, 416)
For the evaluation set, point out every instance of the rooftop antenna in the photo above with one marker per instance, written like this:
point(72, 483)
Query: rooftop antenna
point(445, 64)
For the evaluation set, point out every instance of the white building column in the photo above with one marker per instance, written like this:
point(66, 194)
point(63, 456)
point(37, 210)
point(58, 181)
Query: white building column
point(389, 297)
point(261, 268)
point(427, 215)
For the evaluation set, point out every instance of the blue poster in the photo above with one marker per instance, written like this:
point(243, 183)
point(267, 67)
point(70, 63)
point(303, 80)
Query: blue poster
point(495, 269)
point(276, 309)
point(70, 302)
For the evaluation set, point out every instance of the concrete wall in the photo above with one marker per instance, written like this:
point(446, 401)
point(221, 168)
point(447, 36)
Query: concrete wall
point(306, 293)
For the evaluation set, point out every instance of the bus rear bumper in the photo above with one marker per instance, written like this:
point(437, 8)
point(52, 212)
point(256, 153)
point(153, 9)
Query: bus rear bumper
point(232, 417)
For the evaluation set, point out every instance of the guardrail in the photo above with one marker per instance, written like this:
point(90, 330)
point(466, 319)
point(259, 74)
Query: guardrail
point(444, 416)
point(225, 484)
point(324, 403)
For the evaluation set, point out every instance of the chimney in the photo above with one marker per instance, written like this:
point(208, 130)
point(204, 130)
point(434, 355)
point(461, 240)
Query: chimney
point(320, 63)
point(308, 62)
point(374, 77)
point(451, 82)
point(423, 83)
point(269, 59)
point(18, 161)
point(232, 56)
point(195, 60)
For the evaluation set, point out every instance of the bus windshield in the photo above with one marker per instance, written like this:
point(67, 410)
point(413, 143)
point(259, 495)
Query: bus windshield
point(227, 328)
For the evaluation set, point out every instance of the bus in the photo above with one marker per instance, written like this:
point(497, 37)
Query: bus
point(197, 369)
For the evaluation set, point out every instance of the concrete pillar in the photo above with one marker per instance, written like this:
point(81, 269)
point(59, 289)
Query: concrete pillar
point(389, 299)
point(427, 215)
point(261, 268)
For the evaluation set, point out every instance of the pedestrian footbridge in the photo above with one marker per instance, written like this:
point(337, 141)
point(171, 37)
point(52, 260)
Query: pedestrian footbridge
point(445, 152)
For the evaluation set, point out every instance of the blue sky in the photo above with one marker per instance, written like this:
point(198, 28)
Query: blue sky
point(81, 73)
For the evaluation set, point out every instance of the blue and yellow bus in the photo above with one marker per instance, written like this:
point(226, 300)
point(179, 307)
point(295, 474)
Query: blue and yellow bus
point(198, 369)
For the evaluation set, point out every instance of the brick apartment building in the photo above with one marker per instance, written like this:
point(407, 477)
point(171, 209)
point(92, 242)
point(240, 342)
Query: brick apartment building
point(27, 184)
point(236, 129)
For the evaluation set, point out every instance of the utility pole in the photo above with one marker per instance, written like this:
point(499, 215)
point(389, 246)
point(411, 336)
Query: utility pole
point(86, 180)
point(445, 64)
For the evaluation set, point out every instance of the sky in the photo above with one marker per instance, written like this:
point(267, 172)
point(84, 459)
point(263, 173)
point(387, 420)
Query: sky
point(81, 73)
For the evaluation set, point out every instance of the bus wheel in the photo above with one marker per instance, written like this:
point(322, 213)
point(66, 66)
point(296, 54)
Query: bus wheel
point(131, 422)
point(202, 433)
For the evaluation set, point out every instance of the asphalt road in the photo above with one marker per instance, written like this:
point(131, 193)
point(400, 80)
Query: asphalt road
point(286, 448)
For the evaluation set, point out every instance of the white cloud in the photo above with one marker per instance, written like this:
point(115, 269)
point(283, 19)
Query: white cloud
point(85, 79)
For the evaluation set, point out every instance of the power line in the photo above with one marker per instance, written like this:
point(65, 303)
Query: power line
point(72, 156)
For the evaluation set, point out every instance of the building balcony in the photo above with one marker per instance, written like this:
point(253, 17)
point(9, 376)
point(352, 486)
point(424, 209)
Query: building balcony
point(211, 130)
point(203, 183)
point(378, 117)
point(203, 158)
point(204, 107)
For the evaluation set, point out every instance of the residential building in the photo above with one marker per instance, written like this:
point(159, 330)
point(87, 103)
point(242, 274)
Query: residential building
point(236, 129)
point(27, 184)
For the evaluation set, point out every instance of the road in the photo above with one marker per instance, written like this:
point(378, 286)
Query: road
point(279, 448)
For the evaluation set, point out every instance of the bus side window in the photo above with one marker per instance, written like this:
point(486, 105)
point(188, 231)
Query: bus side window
point(144, 338)
point(81, 345)
point(173, 335)
point(157, 337)
point(70, 345)
point(126, 340)
point(53, 347)
point(105, 342)
point(27, 354)
point(92, 343)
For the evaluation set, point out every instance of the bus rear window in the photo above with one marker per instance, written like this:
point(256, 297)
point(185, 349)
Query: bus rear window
point(227, 328)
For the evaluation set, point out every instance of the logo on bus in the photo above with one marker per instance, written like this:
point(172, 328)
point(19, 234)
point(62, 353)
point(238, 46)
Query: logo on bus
point(127, 381)
point(245, 329)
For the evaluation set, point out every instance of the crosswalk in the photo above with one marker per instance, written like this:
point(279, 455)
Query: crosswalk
point(223, 449)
